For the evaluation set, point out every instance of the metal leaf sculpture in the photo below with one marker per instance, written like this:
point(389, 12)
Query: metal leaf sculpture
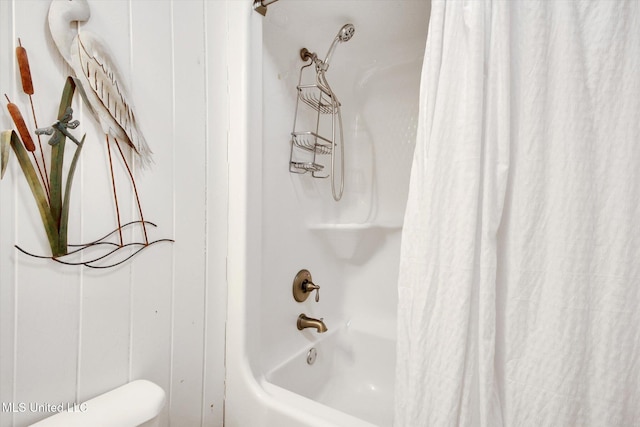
point(54, 213)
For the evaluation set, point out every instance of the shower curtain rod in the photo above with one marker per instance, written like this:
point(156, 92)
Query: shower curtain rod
point(260, 6)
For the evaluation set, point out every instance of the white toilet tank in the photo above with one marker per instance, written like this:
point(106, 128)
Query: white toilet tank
point(132, 405)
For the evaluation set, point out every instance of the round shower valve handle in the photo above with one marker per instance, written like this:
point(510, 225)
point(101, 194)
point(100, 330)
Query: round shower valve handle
point(303, 286)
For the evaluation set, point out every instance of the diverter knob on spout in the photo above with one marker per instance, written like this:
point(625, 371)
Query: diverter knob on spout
point(303, 286)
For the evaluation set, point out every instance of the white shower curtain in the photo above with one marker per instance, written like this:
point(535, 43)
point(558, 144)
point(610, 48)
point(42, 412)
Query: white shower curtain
point(519, 287)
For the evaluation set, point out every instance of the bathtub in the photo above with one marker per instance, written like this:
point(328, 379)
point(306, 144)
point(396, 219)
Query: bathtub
point(280, 223)
point(350, 382)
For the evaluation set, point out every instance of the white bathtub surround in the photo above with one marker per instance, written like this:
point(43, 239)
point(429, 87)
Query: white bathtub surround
point(70, 334)
point(518, 288)
point(284, 222)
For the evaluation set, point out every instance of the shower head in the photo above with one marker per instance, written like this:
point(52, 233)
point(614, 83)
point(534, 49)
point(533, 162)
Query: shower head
point(344, 35)
point(346, 32)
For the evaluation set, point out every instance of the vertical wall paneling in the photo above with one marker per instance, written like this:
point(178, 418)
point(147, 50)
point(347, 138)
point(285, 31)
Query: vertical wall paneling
point(190, 233)
point(106, 316)
point(7, 233)
point(217, 119)
point(46, 313)
point(70, 333)
point(152, 282)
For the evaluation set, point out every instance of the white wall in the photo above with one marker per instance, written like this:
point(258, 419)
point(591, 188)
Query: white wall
point(70, 333)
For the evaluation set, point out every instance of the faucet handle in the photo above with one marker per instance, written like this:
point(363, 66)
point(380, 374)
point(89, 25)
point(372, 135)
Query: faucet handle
point(309, 286)
point(302, 286)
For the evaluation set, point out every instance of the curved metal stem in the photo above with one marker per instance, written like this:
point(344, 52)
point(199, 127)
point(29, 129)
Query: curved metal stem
point(92, 263)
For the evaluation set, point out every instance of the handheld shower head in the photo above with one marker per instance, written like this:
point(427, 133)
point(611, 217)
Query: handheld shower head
point(344, 35)
point(346, 32)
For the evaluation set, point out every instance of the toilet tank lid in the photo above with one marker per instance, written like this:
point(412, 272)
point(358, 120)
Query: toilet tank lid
point(127, 406)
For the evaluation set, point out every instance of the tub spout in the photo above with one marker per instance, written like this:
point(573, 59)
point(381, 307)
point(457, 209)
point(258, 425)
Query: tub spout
point(309, 322)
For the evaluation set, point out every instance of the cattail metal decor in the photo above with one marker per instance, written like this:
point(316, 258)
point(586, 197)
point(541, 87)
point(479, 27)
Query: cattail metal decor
point(51, 188)
point(27, 88)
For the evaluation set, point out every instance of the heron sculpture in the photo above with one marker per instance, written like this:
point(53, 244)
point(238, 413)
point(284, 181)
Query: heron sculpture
point(103, 87)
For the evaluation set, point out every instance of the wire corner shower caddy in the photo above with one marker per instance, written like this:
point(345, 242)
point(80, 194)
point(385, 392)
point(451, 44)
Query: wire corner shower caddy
point(311, 146)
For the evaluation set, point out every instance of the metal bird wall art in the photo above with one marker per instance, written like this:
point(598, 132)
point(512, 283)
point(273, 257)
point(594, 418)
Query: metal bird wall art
point(101, 86)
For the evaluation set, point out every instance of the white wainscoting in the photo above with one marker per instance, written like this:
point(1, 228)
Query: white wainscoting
point(68, 334)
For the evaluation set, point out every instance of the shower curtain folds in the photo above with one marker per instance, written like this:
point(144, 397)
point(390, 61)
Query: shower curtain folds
point(518, 287)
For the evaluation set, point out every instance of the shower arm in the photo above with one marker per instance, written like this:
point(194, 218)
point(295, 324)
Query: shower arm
point(260, 6)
